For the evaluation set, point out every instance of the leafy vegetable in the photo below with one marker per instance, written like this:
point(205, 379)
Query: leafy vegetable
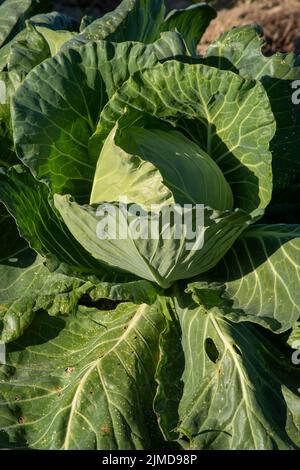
point(236, 384)
point(240, 50)
point(180, 327)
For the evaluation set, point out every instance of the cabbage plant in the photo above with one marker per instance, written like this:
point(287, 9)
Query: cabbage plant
point(174, 336)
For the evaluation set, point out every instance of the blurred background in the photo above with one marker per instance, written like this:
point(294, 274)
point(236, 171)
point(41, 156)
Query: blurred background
point(279, 18)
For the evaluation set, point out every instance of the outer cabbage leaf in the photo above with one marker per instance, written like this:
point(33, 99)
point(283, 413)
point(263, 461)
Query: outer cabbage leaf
point(294, 338)
point(19, 271)
point(13, 14)
point(84, 381)
point(132, 20)
point(35, 43)
point(55, 21)
point(60, 25)
point(234, 387)
point(240, 50)
point(28, 287)
point(143, 20)
point(284, 207)
point(190, 22)
point(154, 166)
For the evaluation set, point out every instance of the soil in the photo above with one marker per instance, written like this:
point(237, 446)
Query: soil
point(279, 18)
